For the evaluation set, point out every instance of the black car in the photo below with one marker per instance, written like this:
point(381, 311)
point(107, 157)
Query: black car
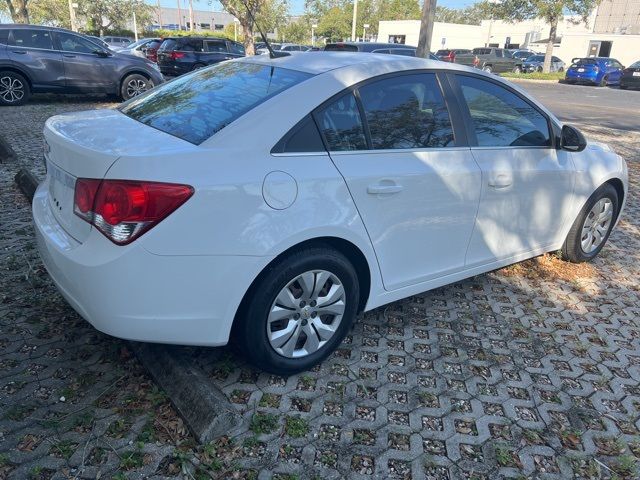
point(45, 59)
point(630, 76)
point(375, 47)
point(178, 55)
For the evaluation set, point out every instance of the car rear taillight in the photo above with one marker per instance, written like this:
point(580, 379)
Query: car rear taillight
point(476, 61)
point(124, 209)
point(176, 55)
point(452, 56)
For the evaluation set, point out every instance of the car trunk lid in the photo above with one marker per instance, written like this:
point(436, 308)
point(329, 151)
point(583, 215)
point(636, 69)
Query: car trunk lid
point(86, 145)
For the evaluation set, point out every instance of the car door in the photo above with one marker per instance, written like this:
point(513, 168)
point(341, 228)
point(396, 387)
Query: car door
point(527, 183)
point(215, 50)
point(615, 70)
point(33, 50)
point(411, 175)
point(84, 68)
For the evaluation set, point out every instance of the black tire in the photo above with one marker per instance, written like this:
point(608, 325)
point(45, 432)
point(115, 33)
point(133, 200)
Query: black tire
point(539, 69)
point(487, 68)
point(134, 85)
point(198, 66)
point(572, 247)
point(14, 89)
point(561, 69)
point(603, 81)
point(517, 69)
point(249, 332)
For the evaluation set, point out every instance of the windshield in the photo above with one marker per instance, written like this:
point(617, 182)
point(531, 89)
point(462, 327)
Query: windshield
point(197, 105)
point(535, 58)
point(635, 64)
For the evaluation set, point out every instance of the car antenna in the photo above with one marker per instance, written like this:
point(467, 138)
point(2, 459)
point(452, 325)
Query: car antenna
point(272, 52)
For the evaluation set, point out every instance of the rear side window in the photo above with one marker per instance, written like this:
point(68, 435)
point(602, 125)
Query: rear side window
point(236, 48)
point(215, 46)
point(304, 137)
point(341, 125)
point(407, 111)
point(196, 106)
point(4, 36)
point(168, 44)
point(25, 37)
point(500, 117)
point(407, 52)
point(189, 45)
point(481, 51)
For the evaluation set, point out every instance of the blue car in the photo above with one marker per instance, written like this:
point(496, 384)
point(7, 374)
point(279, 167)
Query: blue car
point(599, 71)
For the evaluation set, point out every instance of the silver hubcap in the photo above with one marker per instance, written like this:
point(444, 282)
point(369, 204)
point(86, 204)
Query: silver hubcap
point(306, 314)
point(11, 89)
point(596, 225)
point(136, 87)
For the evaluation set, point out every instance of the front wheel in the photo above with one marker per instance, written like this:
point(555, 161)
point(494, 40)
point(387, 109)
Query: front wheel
point(603, 82)
point(591, 229)
point(517, 69)
point(487, 68)
point(134, 85)
point(299, 311)
point(14, 89)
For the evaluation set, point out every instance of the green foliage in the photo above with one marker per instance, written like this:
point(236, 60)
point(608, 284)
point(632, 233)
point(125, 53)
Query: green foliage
point(186, 33)
point(296, 427)
point(535, 75)
point(263, 423)
point(130, 460)
point(471, 15)
point(298, 31)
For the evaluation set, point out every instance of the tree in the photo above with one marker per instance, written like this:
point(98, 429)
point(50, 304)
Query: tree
point(399, 10)
point(18, 9)
point(335, 24)
point(50, 12)
point(297, 31)
point(102, 15)
point(471, 15)
point(549, 10)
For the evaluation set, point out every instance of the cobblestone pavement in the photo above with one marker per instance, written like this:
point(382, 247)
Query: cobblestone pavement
point(530, 371)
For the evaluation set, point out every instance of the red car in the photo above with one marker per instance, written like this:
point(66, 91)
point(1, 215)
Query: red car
point(449, 55)
point(151, 50)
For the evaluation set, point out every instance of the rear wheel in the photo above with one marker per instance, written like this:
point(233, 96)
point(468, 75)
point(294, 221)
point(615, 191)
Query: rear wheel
point(561, 69)
point(603, 81)
point(517, 69)
point(591, 229)
point(299, 311)
point(134, 85)
point(487, 68)
point(14, 89)
point(198, 66)
point(539, 69)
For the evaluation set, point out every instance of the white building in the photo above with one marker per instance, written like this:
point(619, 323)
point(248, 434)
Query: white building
point(174, 19)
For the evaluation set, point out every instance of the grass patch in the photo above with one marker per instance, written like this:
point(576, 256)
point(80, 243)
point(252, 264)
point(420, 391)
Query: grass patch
point(263, 423)
point(296, 427)
point(131, 460)
point(535, 75)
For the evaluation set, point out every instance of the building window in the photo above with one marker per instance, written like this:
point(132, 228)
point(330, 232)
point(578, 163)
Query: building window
point(397, 39)
point(219, 26)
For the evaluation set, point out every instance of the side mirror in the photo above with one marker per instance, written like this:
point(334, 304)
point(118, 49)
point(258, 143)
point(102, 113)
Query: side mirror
point(571, 139)
point(102, 53)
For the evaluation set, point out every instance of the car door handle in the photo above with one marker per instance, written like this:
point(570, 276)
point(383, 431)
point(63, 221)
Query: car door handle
point(19, 52)
point(384, 189)
point(500, 181)
point(68, 55)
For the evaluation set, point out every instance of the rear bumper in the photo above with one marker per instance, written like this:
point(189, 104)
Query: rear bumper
point(131, 293)
point(630, 82)
point(582, 77)
point(174, 68)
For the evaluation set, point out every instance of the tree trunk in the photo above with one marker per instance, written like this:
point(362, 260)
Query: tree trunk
point(546, 67)
point(18, 10)
point(426, 29)
point(192, 27)
point(247, 31)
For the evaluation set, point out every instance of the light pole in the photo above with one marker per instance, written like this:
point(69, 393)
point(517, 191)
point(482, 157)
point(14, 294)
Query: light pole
point(313, 34)
point(355, 18)
point(135, 26)
point(364, 32)
point(235, 29)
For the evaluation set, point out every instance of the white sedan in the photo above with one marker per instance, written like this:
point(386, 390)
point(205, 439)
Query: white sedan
point(269, 201)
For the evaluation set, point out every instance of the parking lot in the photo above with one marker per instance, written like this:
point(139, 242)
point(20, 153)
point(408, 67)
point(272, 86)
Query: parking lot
point(532, 370)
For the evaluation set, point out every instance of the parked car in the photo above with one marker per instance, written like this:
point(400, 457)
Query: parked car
point(45, 59)
point(373, 47)
point(522, 54)
point(117, 42)
point(150, 50)
point(535, 63)
point(164, 221)
point(599, 71)
point(99, 41)
point(449, 55)
point(490, 59)
point(138, 48)
point(178, 55)
point(285, 47)
point(631, 76)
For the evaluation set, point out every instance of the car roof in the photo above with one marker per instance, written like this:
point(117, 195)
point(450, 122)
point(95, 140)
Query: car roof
point(323, 61)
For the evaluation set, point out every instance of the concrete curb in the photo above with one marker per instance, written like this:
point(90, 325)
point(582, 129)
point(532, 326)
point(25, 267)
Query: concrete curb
point(205, 409)
point(531, 80)
point(27, 183)
point(6, 152)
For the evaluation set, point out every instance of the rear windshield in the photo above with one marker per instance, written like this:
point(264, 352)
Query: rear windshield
point(585, 61)
point(340, 47)
point(535, 58)
point(443, 52)
point(197, 105)
point(635, 65)
point(481, 51)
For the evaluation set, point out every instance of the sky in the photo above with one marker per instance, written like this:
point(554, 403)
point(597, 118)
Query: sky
point(297, 6)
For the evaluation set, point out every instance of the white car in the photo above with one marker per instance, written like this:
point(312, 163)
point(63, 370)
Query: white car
point(371, 178)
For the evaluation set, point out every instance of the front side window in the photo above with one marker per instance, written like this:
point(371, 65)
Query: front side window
point(236, 48)
point(407, 111)
point(196, 106)
point(25, 37)
point(500, 117)
point(341, 124)
point(4, 36)
point(74, 43)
